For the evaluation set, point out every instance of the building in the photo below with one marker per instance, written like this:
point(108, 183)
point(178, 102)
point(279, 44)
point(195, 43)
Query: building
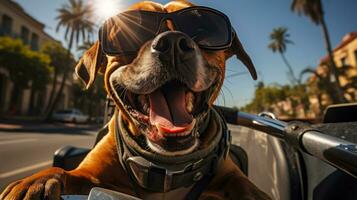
point(16, 23)
point(345, 53)
point(345, 57)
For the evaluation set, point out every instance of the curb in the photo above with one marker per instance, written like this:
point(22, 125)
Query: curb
point(51, 129)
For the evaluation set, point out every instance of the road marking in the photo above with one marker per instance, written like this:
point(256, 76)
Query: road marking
point(25, 169)
point(17, 141)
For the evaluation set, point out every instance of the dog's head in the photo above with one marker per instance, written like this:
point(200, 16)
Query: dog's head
point(166, 88)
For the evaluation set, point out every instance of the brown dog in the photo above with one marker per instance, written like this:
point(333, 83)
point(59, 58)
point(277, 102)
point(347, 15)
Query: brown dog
point(163, 93)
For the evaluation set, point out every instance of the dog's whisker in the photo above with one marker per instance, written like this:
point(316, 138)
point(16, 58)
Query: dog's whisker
point(231, 70)
point(221, 93)
point(123, 91)
point(229, 91)
point(228, 81)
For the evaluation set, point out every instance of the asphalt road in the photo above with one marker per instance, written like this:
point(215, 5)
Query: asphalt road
point(24, 153)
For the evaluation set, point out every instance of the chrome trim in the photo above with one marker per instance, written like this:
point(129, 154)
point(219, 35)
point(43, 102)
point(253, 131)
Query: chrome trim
point(267, 114)
point(263, 123)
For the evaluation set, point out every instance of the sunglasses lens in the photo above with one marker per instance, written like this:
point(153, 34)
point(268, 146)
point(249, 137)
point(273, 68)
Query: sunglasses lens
point(128, 31)
point(206, 28)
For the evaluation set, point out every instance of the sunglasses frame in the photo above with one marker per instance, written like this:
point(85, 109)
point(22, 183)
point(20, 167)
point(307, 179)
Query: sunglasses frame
point(173, 16)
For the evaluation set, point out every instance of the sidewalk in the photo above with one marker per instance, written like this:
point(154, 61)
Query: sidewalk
point(38, 126)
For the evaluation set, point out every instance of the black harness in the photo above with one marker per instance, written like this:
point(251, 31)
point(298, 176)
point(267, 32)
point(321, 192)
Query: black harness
point(156, 173)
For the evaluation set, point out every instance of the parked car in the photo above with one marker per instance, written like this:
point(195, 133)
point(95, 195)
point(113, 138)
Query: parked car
point(97, 119)
point(70, 115)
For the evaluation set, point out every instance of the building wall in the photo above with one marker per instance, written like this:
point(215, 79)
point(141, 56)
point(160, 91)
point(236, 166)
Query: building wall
point(345, 54)
point(35, 28)
point(21, 20)
point(348, 52)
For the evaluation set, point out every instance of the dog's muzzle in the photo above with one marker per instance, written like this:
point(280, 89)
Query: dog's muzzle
point(173, 46)
point(165, 90)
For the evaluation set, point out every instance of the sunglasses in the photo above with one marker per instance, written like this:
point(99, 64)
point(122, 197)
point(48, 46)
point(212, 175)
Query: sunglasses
point(128, 31)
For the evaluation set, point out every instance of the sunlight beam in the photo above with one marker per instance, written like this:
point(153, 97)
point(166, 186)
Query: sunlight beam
point(104, 9)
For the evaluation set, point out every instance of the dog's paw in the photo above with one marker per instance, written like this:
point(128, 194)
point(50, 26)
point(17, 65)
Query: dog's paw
point(44, 185)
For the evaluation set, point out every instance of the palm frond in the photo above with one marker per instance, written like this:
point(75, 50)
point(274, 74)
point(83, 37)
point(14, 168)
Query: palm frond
point(311, 8)
point(76, 17)
point(279, 39)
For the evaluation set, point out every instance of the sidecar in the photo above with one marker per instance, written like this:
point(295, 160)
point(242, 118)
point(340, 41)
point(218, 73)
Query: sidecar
point(286, 172)
point(317, 163)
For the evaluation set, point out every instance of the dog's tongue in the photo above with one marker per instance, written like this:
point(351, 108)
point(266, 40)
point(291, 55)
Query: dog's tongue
point(170, 113)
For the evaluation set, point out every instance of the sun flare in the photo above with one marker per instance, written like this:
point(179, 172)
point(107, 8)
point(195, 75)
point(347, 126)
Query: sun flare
point(105, 9)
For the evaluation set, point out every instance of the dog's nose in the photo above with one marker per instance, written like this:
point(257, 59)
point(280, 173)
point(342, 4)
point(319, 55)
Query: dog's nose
point(173, 45)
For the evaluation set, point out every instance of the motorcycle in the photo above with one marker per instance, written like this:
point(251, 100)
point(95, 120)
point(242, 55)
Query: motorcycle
point(288, 160)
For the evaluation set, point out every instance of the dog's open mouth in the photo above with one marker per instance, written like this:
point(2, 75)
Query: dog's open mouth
point(168, 115)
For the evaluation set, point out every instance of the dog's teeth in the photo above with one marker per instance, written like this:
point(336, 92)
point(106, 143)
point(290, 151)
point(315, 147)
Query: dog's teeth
point(162, 133)
point(159, 131)
point(189, 101)
point(182, 134)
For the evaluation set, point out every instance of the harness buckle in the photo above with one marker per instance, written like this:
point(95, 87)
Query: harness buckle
point(155, 177)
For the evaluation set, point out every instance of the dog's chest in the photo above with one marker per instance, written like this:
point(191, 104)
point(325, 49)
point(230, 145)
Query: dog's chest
point(176, 194)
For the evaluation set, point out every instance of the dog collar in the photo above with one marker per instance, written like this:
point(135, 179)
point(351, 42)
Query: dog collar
point(162, 173)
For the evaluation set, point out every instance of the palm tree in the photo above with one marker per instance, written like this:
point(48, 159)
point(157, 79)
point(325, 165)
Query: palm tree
point(314, 10)
point(279, 38)
point(58, 55)
point(76, 17)
point(319, 87)
point(349, 88)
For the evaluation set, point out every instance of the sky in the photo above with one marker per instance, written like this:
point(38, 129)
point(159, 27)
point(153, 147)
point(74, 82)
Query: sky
point(253, 20)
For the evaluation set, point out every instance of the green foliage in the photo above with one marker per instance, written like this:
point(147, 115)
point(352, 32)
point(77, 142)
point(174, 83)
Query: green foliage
point(266, 97)
point(87, 100)
point(58, 55)
point(23, 64)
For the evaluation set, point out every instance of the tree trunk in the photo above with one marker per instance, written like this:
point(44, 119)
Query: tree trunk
point(15, 106)
point(53, 91)
point(332, 66)
point(31, 108)
point(291, 71)
point(63, 82)
point(319, 103)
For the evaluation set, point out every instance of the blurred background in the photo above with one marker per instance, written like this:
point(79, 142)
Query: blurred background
point(305, 52)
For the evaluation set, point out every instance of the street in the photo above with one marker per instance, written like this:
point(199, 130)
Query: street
point(24, 153)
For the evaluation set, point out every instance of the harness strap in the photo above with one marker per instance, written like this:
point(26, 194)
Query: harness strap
point(121, 155)
point(200, 186)
point(161, 177)
point(197, 190)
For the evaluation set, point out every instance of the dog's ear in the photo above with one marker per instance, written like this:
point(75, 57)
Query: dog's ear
point(238, 50)
point(91, 62)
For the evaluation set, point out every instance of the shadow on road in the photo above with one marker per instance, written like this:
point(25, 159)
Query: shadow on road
point(48, 128)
